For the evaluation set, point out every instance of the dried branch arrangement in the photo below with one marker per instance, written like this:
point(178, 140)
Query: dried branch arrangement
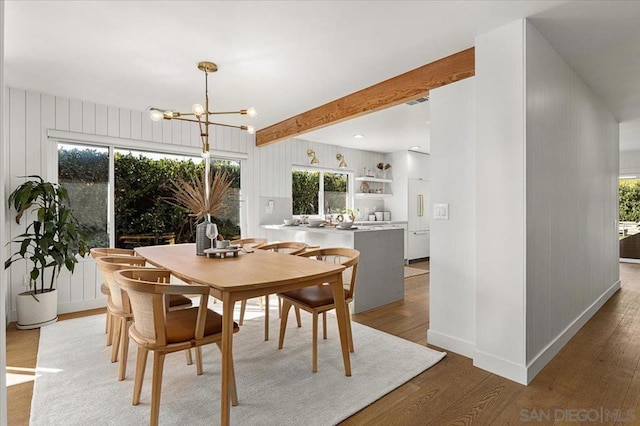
point(191, 195)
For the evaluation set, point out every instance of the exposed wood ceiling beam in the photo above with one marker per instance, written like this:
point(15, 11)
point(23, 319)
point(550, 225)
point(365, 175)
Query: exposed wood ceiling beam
point(402, 88)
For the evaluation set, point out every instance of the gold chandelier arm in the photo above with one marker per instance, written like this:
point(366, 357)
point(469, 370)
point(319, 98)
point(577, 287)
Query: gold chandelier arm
point(227, 112)
point(206, 122)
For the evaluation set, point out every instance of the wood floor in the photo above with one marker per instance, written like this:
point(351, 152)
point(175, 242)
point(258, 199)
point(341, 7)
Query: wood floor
point(597, 370)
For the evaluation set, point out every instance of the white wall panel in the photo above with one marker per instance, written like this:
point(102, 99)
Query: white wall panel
point(102, 120)
point(75, 115)
point(113, 121)
point(62, 113)
point(572, 170)
point(88, 117)
point(500, 180)
point(452, 288)
point(136, 125)
point(124, 123)
point(32, 134)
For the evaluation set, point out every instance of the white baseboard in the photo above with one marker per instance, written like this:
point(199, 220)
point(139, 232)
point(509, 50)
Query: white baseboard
point(627, 260)
point(524, 374)
point(540, 360)
point(500, 366)
point(453, 344)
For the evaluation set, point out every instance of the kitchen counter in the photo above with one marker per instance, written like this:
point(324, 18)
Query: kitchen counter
point(380, 277)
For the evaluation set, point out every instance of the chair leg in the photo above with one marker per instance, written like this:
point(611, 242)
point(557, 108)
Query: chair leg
point(187, 354)
point(314, 368)
point(115, 339)
point(266, 318)
point(297, 310)
point(286, 306)
point(124, 349)
point(243, 307)
point(198, 360)
point(156, 387)
point(349, 333)
point(261, 303)
point(324, 325)
point(109, 327)
point(232, 386)
point(141, 365)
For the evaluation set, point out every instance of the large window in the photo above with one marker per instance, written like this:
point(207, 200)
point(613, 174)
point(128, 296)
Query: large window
point(141, 213)
point(319, 192)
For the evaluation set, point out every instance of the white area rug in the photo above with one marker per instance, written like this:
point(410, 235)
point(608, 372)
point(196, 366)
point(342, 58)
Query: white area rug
point(412, 272)
point(77, 385)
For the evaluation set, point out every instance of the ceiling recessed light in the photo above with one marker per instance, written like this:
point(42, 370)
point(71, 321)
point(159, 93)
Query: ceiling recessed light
point(358, 136)
point(414, 148)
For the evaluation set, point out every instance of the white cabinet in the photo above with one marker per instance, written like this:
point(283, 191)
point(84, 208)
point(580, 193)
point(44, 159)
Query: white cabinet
point(417, 244)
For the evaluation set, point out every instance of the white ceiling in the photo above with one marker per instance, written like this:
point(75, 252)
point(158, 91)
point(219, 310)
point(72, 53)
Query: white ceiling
point(287, 57)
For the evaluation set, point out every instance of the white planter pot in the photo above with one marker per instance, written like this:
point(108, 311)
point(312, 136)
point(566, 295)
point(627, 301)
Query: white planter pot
point(34, 313)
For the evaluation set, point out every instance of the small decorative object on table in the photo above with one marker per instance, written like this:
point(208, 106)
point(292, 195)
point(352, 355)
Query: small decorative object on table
point(229, 251)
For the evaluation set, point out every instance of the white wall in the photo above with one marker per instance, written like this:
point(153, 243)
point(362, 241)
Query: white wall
point(630, 163)
point(3, 235)
point(452, 290)
point(572, 202)
point(501, 208)
point(31, 116)
point(547, 167)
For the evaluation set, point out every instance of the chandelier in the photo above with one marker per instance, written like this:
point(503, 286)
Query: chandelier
point(200, 114)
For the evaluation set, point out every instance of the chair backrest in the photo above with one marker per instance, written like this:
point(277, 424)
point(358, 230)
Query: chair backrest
point(146, 289)
point(253, 242)
point(107, 251)
point(287, 247)
point(110, 264)
point(345, 256)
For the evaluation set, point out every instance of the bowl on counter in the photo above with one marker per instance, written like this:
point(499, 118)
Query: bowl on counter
point(291, 222)
point(344, 225)
point(315, 223)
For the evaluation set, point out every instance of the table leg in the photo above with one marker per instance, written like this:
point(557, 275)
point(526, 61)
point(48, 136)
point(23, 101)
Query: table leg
point(341, 314)
point(227, 358)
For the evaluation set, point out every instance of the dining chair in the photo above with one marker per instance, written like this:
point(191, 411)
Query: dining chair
point(251, 243)
point(118, 306)
point(285, 247)
point(319, 299)
point(175, 302)
point(162, 332)
point(104, 288)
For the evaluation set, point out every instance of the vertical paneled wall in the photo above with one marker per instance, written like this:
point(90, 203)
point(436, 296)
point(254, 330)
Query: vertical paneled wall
point(29, 115)
point(3, 236)
point(572, 174)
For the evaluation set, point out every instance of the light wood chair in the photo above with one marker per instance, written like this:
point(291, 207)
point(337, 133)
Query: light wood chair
point(162, 332)
point(118, 306)
point(285, 247)
point(104, 288)
point(319, 299)
point(251, 243)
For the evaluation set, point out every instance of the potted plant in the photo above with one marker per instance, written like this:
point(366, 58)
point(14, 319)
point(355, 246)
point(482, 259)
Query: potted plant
point(51, 240)
point(192, 197)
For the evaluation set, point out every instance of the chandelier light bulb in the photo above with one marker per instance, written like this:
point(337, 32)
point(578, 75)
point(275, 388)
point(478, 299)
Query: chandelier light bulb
point(168, 114)
point(197, 109)
point(251, 130)
point(251, 112)
point(155, 115)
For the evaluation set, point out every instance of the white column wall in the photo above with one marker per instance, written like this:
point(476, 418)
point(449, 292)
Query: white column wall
point(572, 202)
point(452, 292)
point(31, 115)
point(3, 236)
point(501, 208)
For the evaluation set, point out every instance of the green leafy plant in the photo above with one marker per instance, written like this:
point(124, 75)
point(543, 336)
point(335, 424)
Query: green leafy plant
point(52, 239)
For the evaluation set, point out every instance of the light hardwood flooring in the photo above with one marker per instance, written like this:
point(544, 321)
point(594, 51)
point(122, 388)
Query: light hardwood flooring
point(598, 368)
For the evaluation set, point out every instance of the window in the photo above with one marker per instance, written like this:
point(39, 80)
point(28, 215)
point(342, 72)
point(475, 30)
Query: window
point(84, 171)
point(140, 213)
point(319, 192)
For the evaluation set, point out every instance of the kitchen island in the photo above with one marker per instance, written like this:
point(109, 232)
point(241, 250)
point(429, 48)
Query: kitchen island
point(380, 277)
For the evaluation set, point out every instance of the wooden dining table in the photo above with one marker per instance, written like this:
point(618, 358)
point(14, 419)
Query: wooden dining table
point(252, 274)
